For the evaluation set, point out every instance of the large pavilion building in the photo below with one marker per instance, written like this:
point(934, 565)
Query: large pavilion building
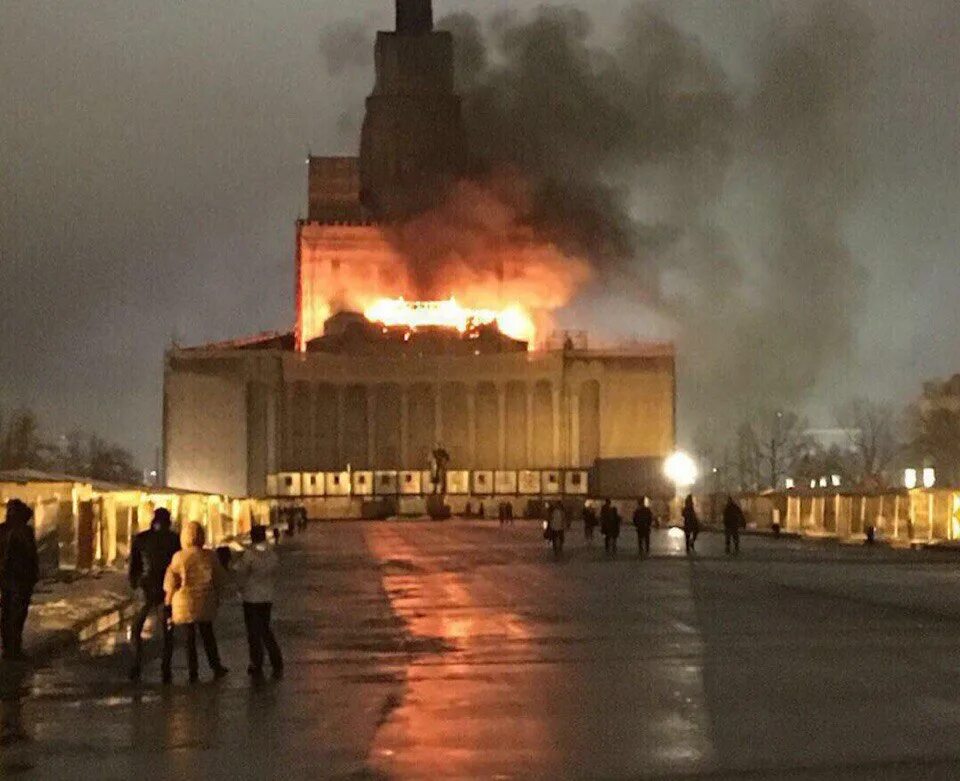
point(341, 410)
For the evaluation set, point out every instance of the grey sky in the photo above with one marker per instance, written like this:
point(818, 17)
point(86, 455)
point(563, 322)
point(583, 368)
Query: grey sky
point(151, 169)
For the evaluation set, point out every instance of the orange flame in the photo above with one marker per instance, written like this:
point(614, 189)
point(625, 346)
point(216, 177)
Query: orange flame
point(513, 321)
point(474, 261)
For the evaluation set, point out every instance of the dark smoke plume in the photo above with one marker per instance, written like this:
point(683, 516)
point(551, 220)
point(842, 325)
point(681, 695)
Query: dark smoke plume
point(719, 213)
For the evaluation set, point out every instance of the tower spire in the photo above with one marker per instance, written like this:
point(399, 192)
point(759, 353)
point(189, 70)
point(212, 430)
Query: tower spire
point(414, 17)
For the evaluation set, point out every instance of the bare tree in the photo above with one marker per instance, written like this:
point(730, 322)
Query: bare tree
point(783, 441)
point(749, 458)
point(20, 443)
point(935, 438)
point(874, 437)
point(111, 463)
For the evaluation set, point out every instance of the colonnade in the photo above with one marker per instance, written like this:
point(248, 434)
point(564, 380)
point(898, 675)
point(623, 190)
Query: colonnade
point(485, 425)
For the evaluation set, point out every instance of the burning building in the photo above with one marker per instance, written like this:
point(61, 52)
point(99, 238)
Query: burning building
point(417, 325)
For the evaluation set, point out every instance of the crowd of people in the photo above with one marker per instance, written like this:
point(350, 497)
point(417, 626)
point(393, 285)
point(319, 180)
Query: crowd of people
point(183, 584)
point(609, 520)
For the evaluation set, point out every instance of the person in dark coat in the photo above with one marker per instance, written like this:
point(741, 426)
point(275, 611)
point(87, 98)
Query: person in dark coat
point(691, 524)
point(610, 527)
point(150, 555)
point(589, 522)
point(643, 523)
point(19, 572)
point(733, 521)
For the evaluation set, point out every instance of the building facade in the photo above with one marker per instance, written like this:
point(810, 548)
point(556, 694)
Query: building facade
point(234, 416)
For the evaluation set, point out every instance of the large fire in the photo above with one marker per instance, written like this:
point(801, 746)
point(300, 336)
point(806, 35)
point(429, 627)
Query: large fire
point(512, 321)
point(472, 262)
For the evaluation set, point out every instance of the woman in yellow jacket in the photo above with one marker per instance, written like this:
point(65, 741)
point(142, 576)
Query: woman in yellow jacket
point(193, 584)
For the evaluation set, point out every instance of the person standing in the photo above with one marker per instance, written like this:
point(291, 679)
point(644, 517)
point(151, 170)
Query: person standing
point(589, 523)
point(150, 555)
point(733, 521)
point(691, 524)
point(193, 585)
point(557, 526)
point(19, 572)
point(256, 573)
point(610, 527)
point(643, 523)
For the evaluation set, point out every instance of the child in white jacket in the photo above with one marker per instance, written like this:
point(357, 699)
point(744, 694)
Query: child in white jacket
point(255, 575)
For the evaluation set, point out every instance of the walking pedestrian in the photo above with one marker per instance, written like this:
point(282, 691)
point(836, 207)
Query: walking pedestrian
point(610, 527)
point(256, 575)
point(557, 526)
point(193, 585)
point(691, 524)
point(150, 555)
point(643, 523)
point(733, 521)
point(19, 572)
point(589, 523)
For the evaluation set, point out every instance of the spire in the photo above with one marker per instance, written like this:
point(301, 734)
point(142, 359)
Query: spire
point(414, 17)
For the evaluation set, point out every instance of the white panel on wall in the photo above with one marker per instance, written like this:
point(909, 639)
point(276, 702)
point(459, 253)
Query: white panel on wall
point(363, 483)
point(575, 482)
point(505, 482)
point(410, 483)
point(290, 484)
point(483, 483)
point(338, 484)
point(458, 482)
point(551, 484)
point(528, 482)
point(314, 484)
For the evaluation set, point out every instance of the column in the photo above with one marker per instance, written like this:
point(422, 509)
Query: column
point(575, 429)
point(404, 425)
point(557, 425)
point(371, 426)
point(502, 426)
point(311, 459)
point(341, 416)
point(438, 413)
point(472, 425)
point(531, 388)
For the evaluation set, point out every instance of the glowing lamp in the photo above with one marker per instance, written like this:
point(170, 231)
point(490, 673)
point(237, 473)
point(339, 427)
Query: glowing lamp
point(835, 479)
point(929, 477)
point(823, 482)
point(910, 478)
point(789, 484)
point(681, 470)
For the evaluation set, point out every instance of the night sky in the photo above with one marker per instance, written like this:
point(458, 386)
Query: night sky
point(152, 167)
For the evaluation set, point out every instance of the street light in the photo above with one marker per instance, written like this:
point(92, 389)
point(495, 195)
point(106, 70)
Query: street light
point(681, 470)
point(910, 479)
point(929, 477)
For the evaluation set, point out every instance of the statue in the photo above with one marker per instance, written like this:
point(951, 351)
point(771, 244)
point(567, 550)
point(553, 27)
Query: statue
point(439, 461)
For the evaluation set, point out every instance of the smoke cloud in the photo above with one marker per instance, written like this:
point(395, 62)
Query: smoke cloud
point(708, 215)
point(639, 158)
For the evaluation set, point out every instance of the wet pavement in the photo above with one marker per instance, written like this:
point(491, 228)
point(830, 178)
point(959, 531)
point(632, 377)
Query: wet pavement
point(462, 650)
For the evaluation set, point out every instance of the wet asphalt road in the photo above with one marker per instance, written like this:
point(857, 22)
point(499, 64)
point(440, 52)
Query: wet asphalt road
point(461, 650)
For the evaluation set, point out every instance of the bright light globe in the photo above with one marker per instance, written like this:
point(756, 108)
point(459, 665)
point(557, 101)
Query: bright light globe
point(681, 470)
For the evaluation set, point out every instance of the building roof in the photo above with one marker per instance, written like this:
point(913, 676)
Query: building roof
point(267, 340)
